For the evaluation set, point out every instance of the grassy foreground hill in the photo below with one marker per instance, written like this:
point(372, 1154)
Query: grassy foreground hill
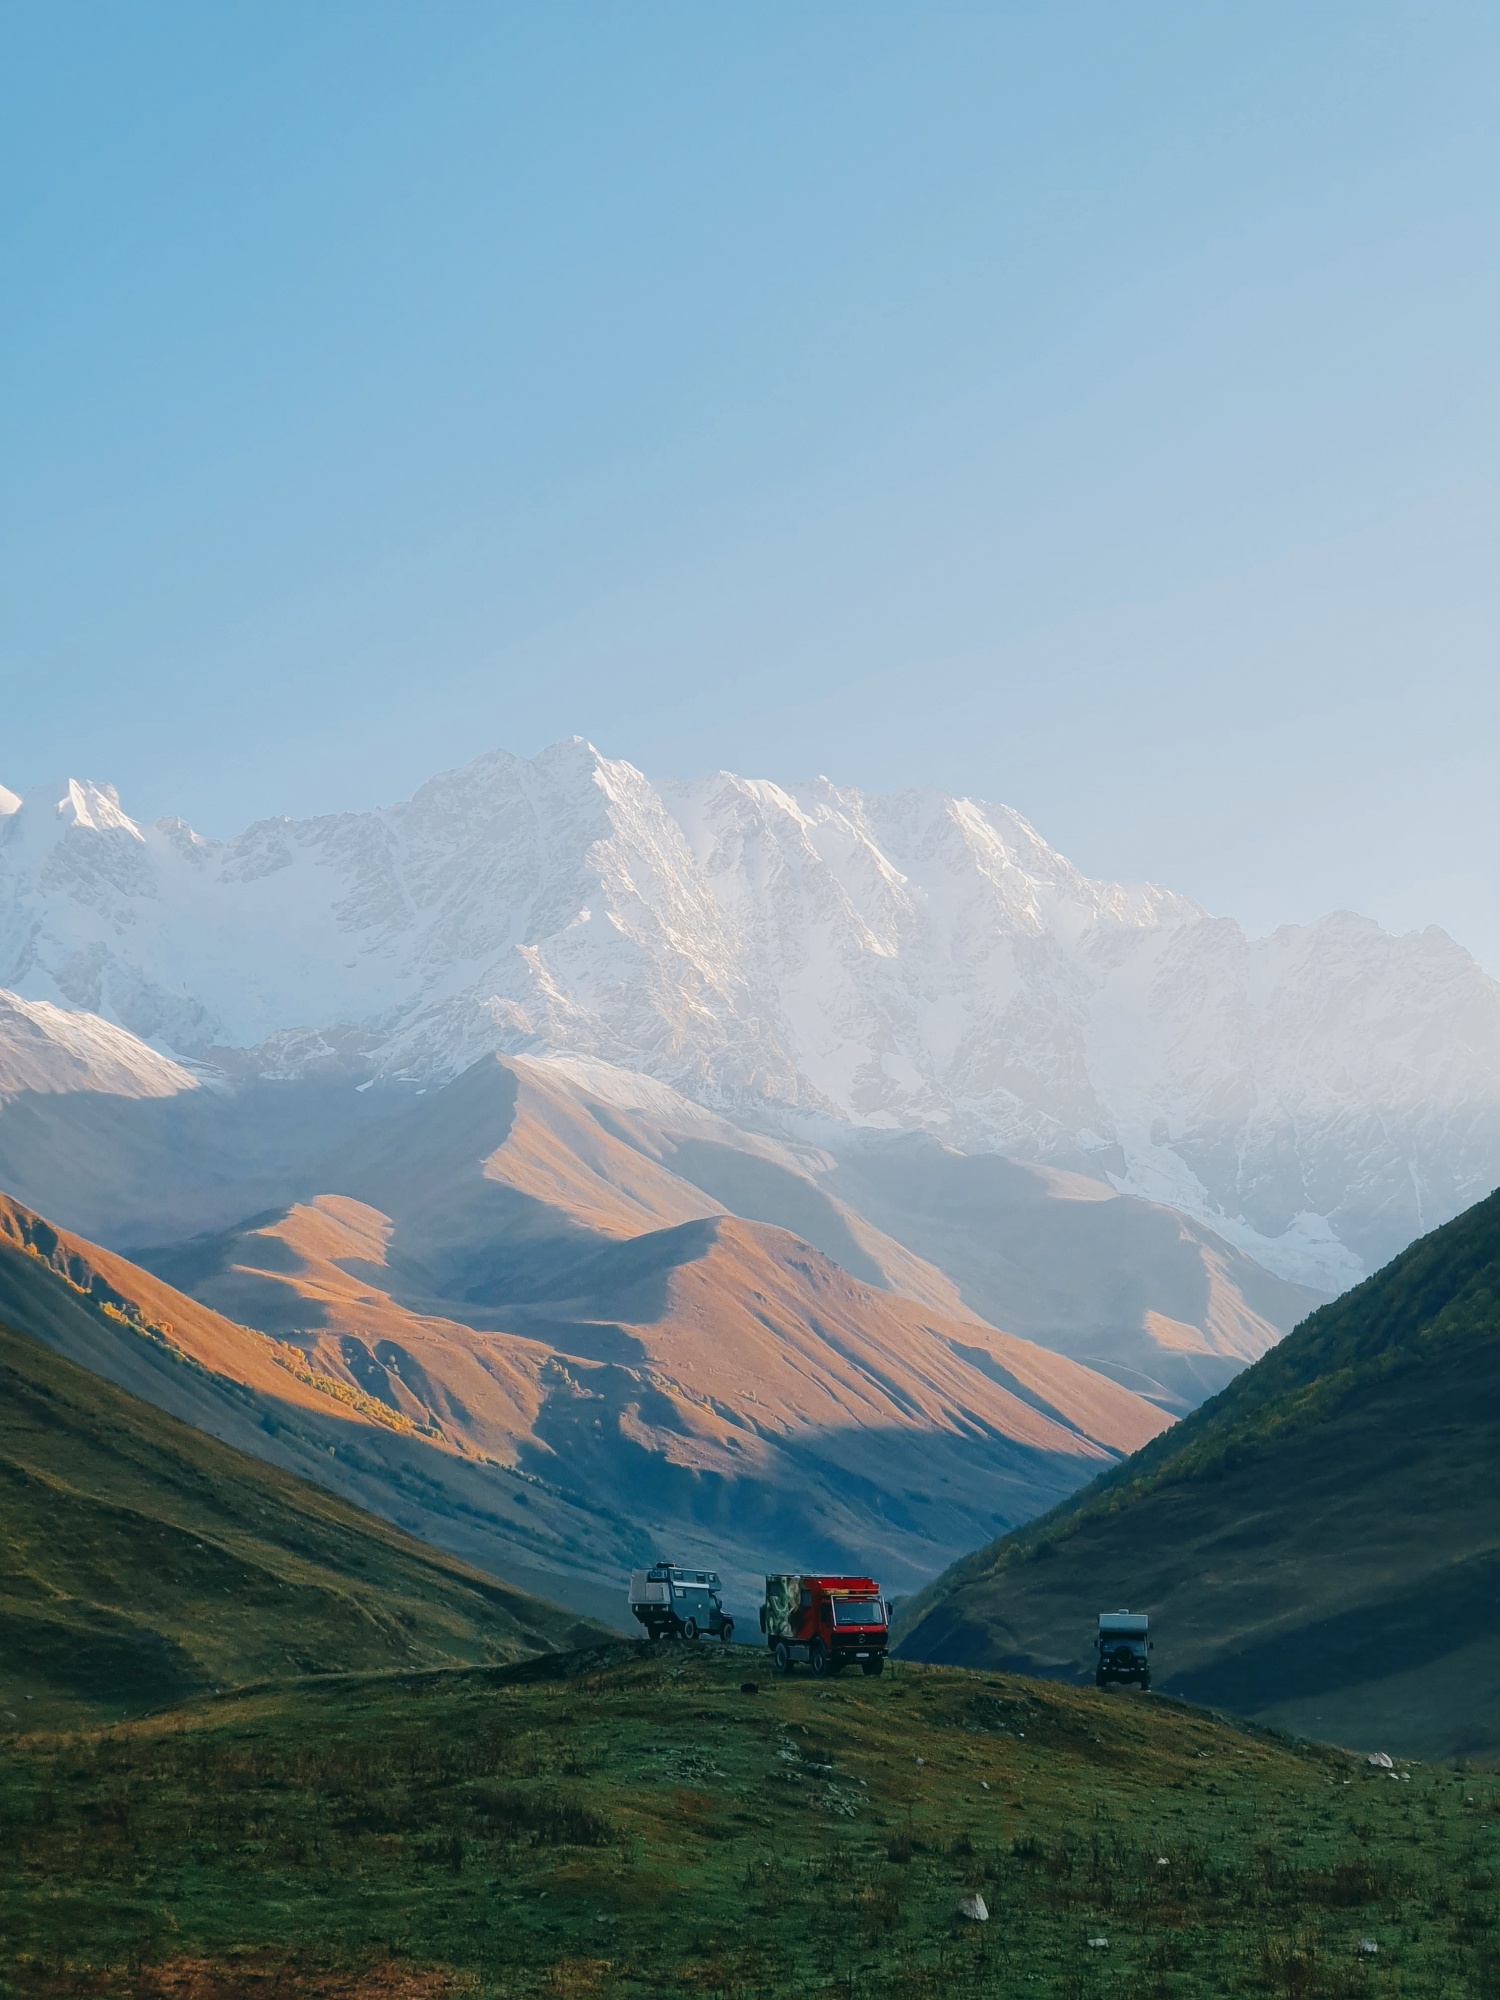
point(637, 1821)
point(141, 1561)
point(1319, 1546)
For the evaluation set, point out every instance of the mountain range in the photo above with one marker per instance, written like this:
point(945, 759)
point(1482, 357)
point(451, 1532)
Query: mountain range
point(833, 964)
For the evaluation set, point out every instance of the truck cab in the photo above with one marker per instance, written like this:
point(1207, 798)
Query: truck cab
point(1123, 1648)
point(826, 1622)
point(676, 1603)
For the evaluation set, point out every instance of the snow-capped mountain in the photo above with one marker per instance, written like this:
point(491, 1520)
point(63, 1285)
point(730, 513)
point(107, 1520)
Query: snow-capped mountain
point(839, 961)
point(56, 1050)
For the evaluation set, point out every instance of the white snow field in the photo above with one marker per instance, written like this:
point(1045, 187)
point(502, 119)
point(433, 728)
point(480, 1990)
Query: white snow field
point(812, 958)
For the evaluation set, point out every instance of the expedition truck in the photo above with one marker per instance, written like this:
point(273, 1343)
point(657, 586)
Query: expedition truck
point(1122, 1647)
point(829, 1621)
point(675, 1603)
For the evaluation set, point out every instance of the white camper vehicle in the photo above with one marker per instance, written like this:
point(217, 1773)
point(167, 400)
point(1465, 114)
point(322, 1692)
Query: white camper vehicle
point(675, 1603)
point(1123, 1647)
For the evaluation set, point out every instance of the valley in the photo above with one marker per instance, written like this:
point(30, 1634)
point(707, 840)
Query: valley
point(668, 1268)
point(839, 1340)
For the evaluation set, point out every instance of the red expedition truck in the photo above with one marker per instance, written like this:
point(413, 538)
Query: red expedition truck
point(831, 1622)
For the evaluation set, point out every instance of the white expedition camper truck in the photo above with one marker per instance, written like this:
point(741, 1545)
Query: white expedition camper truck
point(1123, 1647)
point(675, 1603)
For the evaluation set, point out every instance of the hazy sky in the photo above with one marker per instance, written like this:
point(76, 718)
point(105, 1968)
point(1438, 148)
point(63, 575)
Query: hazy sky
point(1091, 407)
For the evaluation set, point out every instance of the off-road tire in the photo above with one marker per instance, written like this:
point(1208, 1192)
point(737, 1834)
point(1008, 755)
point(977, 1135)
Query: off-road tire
point(873, 1667)
point(817, 1658)
point(781, 1658)
point(689, 1628)
point(726, 1631)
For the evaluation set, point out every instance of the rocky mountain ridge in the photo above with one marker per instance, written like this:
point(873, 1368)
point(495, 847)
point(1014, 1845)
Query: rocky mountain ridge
point(811, 957)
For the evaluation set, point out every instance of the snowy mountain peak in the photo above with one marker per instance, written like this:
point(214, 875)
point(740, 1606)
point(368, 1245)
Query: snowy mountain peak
point(48, 813)
point(905, 961)
point(9, 802)
point(96, 807)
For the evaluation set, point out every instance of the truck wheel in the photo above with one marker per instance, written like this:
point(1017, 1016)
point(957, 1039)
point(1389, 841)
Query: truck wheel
point(689, 1628)
point(876, 1666)
point(781, 1658)
point(817, 1657)
point(726, 1631)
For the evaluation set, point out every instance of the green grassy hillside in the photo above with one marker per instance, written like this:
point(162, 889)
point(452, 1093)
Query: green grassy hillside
point(673, 1821)
point(141, 1561)
point(1318, 1546)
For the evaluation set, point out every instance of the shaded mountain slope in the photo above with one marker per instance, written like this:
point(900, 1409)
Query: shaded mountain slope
point(1140, 1291)
point(127, 1167)
point(1318, 1547)
point(141, 1561)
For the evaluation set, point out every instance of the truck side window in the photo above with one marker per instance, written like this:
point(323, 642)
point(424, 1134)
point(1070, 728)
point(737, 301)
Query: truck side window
point(806, 1599)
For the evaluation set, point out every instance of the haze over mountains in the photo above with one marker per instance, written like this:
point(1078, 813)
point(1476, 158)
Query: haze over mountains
point(841, 963)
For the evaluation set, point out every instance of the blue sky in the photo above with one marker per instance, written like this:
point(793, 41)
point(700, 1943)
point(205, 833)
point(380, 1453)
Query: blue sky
point(1088, 407)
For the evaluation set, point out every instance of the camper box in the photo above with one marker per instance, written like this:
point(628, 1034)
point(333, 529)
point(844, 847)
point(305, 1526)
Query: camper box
point(675, 1603)
point(1123, 1646)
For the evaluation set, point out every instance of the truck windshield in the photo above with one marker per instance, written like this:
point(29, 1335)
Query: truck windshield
point(858, 1611)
